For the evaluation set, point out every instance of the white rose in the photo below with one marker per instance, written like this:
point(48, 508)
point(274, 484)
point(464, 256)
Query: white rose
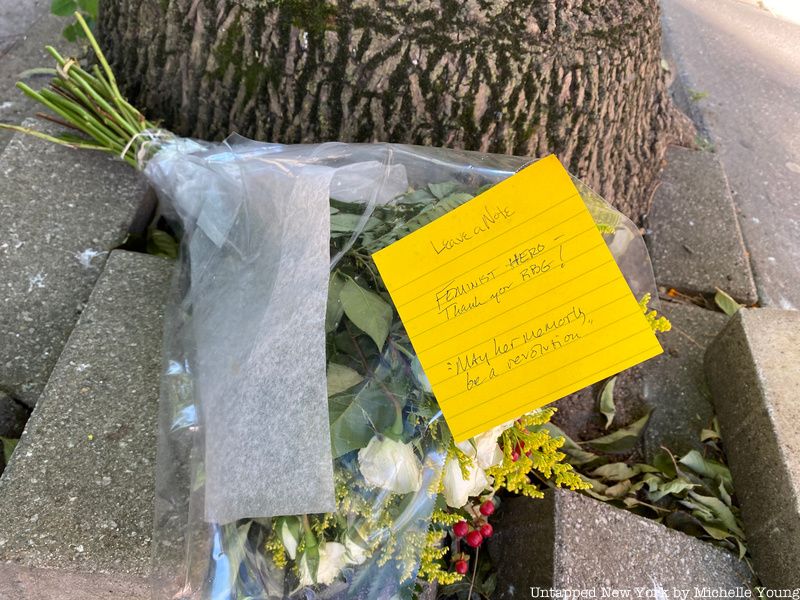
point(458, 490)
point(390, 465)
point(332, 558)
point(356, 553)
point(484, 448)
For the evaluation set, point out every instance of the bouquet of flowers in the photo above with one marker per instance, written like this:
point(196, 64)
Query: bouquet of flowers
point(275, 296)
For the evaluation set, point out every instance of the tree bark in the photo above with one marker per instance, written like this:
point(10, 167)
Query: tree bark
point(580, 78)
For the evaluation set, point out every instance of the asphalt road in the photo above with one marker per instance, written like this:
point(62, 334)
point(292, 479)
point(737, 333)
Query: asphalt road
point(746, 63)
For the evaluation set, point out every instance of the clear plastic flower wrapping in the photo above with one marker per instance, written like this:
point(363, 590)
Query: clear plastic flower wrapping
point(250, 441)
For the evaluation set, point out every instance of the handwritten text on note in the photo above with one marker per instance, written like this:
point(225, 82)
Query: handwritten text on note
point(513, 300)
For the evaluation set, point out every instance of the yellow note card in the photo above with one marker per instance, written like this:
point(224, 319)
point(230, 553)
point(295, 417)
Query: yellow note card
point(513, 300)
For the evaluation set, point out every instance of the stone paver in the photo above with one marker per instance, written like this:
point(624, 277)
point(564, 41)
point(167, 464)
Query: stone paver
point(753, 374)
point(742, 65)
point(63, 210)
point(695, 242)
point(16, 17)
point(674, 384)
point(25, 29)
point(571, 541)
point(80, 483)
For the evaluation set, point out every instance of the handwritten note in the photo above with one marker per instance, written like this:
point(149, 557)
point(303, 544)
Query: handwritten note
point(513, 300)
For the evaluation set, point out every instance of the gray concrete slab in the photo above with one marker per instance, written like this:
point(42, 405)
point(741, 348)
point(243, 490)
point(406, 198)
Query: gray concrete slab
point(81, 482)
point(16, 17)
point(570, 541)
point(28, 28)
point(743, 66)
point(674, 384)
point(694, 238)
point(753, 373)
point(62, 211)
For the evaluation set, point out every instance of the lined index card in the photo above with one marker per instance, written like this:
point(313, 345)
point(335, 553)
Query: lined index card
point(513, 300)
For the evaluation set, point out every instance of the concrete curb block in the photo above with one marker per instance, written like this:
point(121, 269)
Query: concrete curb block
point(695, 241)
point(570, 541)
point(80, 486)
point(752, 370)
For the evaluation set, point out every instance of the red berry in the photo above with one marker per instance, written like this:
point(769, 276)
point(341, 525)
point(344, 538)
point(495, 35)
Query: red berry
point(474, 538)
point(462, 567)
point(487, 508)
point(515, 456)
point(486, 530)
point(461, 529)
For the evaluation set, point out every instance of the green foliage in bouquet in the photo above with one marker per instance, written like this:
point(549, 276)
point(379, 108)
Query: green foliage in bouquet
point(88, 103)
point(383, 414)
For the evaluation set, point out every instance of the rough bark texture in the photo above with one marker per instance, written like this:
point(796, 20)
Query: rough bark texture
point(581, 78)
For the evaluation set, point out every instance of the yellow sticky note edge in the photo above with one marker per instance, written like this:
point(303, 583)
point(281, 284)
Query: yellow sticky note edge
point(513, 300)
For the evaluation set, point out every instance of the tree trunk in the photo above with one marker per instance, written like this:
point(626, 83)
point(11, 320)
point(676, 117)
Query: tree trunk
point(581, 78)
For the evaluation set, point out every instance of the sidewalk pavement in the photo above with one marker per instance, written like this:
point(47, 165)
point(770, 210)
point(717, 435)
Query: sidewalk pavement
point(741, 66)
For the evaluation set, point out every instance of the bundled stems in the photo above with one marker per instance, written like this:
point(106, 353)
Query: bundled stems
point(91, 104)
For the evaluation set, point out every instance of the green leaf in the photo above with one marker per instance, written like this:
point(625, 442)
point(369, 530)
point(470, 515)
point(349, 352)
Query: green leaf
point(673, 487)
point(723, 494)
point(645, 468)
point(440, 190)
point(607, 401)
point(576, 455)
point(622, 440)
point(348, 223)
point(582, 458)
point(311, 555)
point(663, 462)
point(716, 533)
point(63, 8)
point(742, 548)
point(89, 7)
point(334, 310)
point(160, 243)
point(728, 305)
point(720, 511)
point(652, 481)
point(8, 447)
point(420, 196)
point(355, 418)
point(490, 585)
point(368, 311)
point(707, 467)
point(699, 511)
point(708, 434)
point(428, 214)
point(632, 501)
point(597, 486)
point(615, 472)
point(72, 32)
point(341, 378)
